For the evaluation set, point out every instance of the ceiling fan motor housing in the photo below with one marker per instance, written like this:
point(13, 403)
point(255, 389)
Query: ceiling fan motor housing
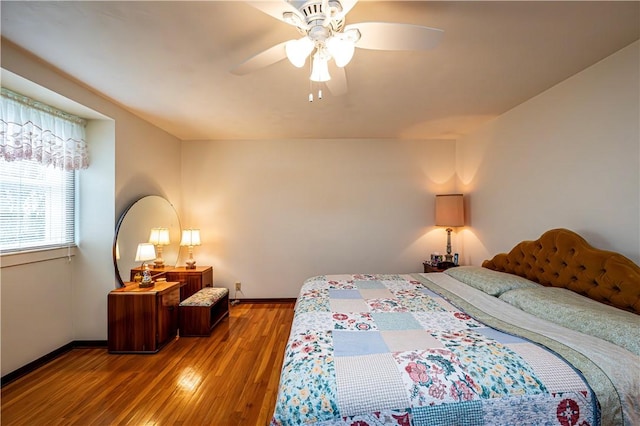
point(318, 33)
point(315, 14)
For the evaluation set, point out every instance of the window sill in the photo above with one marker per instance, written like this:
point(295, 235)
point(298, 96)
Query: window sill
point(25, 257)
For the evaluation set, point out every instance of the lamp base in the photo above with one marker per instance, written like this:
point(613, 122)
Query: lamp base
point(448, 257)
point(158, 264)
point(191, 264)
point(146, 285)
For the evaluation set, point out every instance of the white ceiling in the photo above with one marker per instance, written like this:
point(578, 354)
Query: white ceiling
point(169, 63)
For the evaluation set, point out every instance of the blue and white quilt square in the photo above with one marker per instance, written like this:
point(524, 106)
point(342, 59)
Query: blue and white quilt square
point(352, 343)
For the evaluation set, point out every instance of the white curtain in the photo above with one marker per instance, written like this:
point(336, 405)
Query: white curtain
point(31, 130)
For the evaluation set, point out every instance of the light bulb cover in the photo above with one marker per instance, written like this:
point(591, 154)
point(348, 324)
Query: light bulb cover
point(341, 49)
point(298, 50)
point(320, 70)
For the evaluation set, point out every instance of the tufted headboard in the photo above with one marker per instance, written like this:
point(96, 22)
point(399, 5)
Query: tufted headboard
point(562, 258)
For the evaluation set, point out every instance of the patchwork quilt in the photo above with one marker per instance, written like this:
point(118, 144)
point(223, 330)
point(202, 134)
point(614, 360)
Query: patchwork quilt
point(389, 350)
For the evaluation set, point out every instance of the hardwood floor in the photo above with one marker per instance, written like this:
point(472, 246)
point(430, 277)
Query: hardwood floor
point(229, 378)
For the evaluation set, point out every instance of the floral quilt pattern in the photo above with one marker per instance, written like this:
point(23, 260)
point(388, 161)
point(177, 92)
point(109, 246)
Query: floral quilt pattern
point(369, 350)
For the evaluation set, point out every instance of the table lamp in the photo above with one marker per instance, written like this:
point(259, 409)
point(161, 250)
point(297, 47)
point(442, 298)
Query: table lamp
point(190, 238)
point(449, 213)
point(159, 237)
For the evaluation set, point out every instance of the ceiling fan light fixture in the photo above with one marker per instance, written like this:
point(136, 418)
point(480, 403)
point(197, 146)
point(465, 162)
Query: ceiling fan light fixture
point(298, 50)
point(341, 49)
point(322, 25)
point(320, 69)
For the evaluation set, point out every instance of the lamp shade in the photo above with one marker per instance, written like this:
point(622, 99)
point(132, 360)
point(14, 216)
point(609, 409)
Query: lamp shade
point(159, 236)
point(298, 50)
point(190, 237)
point(449, 210)
point(320, 70)
point(145, 252)
point(341, 49)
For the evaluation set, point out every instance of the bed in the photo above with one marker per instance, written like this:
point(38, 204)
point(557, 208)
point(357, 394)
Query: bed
point(545, 334)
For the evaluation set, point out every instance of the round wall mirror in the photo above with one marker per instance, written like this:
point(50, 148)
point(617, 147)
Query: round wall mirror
point(134, 227)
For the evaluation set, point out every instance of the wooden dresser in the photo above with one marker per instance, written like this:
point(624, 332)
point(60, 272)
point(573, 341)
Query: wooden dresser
point(142, 320)
point(192, 279)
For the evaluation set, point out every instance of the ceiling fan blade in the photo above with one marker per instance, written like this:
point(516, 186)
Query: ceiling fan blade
point(277, 9)
point(261, 60)
point(338, 83)
point(395, 36)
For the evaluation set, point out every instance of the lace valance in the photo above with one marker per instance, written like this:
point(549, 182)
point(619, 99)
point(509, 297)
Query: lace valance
point(31, 130)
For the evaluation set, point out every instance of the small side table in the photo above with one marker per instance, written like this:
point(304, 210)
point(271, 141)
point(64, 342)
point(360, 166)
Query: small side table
point(142, 320)
point(428, 267)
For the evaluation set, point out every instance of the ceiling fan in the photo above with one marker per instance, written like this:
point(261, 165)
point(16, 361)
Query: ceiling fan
point(331, 43)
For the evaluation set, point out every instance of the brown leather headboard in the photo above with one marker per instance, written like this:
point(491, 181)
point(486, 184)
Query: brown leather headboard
point(562, 258)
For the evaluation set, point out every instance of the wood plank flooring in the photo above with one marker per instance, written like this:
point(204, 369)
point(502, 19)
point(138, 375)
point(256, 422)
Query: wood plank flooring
point(229, 378)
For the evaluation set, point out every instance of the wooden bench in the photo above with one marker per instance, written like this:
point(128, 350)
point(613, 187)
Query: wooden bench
point(200, 312)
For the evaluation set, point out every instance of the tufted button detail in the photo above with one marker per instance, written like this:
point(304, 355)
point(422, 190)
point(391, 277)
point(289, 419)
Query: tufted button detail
point(561, 258)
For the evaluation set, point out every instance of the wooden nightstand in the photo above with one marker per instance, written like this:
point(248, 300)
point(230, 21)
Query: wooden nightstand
point(428, 267)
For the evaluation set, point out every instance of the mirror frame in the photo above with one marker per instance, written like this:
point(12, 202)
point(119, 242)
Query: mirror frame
point(137, 208)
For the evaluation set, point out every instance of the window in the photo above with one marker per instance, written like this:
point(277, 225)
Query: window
point(40, 150)
point(36, 206)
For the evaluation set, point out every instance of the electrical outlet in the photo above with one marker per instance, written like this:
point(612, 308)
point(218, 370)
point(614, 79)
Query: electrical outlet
point(238, 286)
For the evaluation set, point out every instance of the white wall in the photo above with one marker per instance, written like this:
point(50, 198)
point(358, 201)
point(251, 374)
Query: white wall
point(570, 157)
point(36, 311)
point(95, 209)
point(273, 213)
point(46, 305)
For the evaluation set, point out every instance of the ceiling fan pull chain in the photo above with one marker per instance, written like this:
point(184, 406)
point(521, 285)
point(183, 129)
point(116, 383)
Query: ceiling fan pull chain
point(311, 94)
